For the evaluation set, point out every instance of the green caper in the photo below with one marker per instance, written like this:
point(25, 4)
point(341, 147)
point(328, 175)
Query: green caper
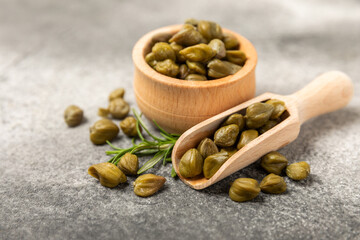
point(129, 164)
point(198, 53)
point(148, 184)
point(257, 114)
point(128, 126)
point(230, 150)
point(213, 163)
point(236, 56)
point(183, 71)
point(117, 93)
point(103, 112)
point(163, 51)
point(192, 21)
point(177, 48)
point(219, 47)
point(187, 36)
point(279, 108)
point(246, 137)
point(244, 189)
point(191, 163)
point(207, 147)
point(273, 184)
point(274, 162)
point(210, 30)
point(119, 108)
point(226, 136)
point(219, 69)
point(237, 119)
point(298, 171)
point(230, 41)
point(167, 67)
point(73, 115)
point(161, 37)
point(150, 59)
point(196, 67)
point(195, 77)
point(107, 173)
point(102, 131)
point(268, 125)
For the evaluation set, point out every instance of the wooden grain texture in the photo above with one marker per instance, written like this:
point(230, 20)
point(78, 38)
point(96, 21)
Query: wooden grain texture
point(328, 92)
point(178, 105)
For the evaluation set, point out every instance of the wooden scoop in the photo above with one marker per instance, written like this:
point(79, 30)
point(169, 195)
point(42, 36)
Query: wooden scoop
point(328, 92)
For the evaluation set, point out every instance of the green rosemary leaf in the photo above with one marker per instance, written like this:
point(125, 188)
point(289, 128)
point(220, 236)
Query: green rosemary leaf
point(112, 146)
point(166, 154)
point(152, 162)
point(173, 173)
point(169, 159)
point(167, 137)
point(140, 121)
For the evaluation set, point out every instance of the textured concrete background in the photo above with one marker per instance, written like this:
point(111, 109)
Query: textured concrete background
point(56, 53)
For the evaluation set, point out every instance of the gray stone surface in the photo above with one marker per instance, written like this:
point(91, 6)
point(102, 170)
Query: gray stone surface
point(56, 53)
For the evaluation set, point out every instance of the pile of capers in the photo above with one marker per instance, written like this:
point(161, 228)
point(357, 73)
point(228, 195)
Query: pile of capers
point(232, 135)
point(200, 51)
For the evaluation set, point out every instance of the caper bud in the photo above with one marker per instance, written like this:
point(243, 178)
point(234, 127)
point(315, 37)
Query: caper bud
point(207, 147)
point(162, 51)
point(236, 56)
point(209, 30)
point(230, 150)
point(235, 118)
point(226, 136)
point(183, 71)
point(117, 93)
point(129, 164)
point(246, 137)
point(107, 173)
point(268, 125)
point(274, 162)
point(196, 67)
point(198, 53)
point(257, 114)
point(219, 47)
point(187, 36)
point(244, 189)
point(103, 112)
point(128, 126)
point(213, 163)
point(192, 21)
point(161, 37)
point(298, 171)
point(230, 41)
point(73, 115)
point(148, 184)
point(191, 163)
point(279, 108)
point(195, 77)
point(150, 59)
point(119, 108)
point(219, 69)
point(102, 131)
point(177, 48)
point(273, 184)
point(167, 67)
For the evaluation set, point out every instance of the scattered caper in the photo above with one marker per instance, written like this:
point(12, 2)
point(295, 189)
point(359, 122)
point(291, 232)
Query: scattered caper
point(213, 163)
point(129, 164)
point(128, 126)
point(103, 112)
point(226, 136)
point(108, 174)
point(207, 147)
point(117, 93)
point(73, 115)
point(274, 162)
point(244, 189)
point(119, 108)
point(246, 137)
point(191, 163)
point(102, 131)
point(298, 171)
point(148, 184)
point(273, 183)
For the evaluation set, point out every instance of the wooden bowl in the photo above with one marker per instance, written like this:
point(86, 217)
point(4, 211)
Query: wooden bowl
point(175, 104)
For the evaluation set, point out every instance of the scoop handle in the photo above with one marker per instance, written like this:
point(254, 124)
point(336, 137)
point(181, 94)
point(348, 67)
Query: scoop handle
point(328, 92)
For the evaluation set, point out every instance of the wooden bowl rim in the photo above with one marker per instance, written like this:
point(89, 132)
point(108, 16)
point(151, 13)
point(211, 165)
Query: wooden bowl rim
point(142, 44)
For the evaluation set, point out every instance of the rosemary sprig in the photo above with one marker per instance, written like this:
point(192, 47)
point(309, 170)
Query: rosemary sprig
point(161, 148)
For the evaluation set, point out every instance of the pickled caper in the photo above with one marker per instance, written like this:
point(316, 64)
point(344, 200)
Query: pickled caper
point(102, 131)
point(207, 147)
point(274, 162)
point(167, 67)
point(273, 183)
point(129, 164)
point(257, 114)
point(161, 37)
point(196, 67)
point(268, 125)
point(183, 71)
point(210, 30)
point(230, 41)
point(213, 163)
point(244, 189)
point(195, 77)
point(119, 108)
point(117, 93)
point(150, 59)
point(246, 137)
point(148, 184)
point(73, 115)
point(219, 69)
point(230, 150)
point(163, 51)
point(128, 126)
point(219, 47)
point(298, 171)
point(107, 173)
point(236, 56)
point(237, 119)
point(226, 136)
point(188, 36)
point(279, 108)
point(191, 163)
point(177, 48)
point(198, 53)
